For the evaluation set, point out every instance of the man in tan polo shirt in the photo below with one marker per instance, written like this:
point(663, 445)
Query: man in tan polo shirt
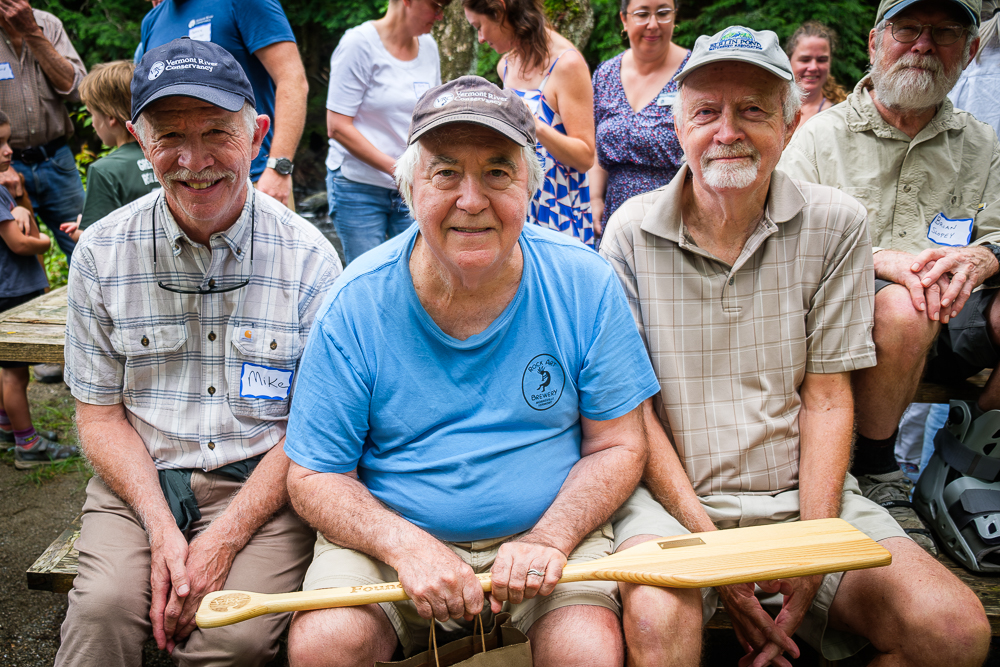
point(753, 293)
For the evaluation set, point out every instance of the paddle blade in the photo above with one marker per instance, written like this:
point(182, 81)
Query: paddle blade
point(740, 555)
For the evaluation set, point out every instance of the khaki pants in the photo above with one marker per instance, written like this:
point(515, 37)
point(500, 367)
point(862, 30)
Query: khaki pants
point(108, 617)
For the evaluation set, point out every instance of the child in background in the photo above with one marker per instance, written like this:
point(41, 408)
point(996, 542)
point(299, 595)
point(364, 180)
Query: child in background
point(22, 278)
point(125, 174)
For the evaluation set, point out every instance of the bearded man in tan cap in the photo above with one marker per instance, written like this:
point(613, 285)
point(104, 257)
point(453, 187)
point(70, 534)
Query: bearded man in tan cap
point(753, 293)
point(929, 177)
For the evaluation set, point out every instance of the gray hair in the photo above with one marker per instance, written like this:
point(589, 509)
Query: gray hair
point(791, 103)
point(406, 167)
point(248, 114)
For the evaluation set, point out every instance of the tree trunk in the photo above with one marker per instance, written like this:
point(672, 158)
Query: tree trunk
point(573, 19)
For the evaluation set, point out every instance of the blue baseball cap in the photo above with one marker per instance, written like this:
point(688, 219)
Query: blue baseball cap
point(190, 68)
point(889, 8)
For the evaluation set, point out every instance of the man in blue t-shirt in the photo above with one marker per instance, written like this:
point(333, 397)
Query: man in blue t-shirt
point(470, 400)
point(258, 35)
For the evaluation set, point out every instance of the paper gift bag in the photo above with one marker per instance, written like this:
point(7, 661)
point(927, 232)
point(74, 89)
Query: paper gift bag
point(503, 646)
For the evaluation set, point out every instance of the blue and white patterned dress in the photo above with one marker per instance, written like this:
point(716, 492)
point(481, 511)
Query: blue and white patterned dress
point(563, 202)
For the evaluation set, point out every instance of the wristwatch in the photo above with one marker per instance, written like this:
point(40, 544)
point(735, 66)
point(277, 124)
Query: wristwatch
point(282, 165)
point(994, 280)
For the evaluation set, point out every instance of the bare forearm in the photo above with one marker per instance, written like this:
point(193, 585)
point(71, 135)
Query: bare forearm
point(344, 132)
point(120, 458)
point(596, 486)
point(261, 496)
point(826, 423)
point(572, 152)
point(58, 70)
point(289, 116)
point(355, 520)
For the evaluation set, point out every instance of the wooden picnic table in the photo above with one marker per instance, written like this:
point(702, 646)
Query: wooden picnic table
point(35, 331)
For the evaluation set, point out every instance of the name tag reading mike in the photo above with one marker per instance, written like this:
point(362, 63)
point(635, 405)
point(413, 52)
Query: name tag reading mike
point(272, 384)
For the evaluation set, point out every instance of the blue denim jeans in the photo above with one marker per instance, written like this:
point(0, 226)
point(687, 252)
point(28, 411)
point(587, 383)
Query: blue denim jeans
point(56, 193)
point(364, 215)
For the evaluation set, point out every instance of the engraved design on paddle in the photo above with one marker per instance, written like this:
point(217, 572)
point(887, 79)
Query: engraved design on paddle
point(229, 601)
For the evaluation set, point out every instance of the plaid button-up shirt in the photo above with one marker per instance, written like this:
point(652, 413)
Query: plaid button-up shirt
point(176, 360)
point(731, 344)
point(36, 110)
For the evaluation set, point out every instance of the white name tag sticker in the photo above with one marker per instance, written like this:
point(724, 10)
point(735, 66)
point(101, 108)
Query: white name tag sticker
point(6, 72)
point(666, 100)
point(272, 384)
point(420, 87)
point(945, 231)
point(201, 33)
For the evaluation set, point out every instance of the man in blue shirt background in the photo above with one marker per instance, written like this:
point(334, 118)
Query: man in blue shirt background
point(470, 401)
point(259, 36)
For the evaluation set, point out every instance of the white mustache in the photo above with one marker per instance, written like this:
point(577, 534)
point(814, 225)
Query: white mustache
point(928, 62)
point(203, 175)
point(739, 149)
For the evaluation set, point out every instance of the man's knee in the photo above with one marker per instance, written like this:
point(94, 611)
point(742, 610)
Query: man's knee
point(340, 637)
point(654, 619)
point(577, 635)
point(899, 326)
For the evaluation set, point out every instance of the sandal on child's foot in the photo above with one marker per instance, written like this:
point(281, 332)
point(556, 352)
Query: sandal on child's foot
point(42, 452)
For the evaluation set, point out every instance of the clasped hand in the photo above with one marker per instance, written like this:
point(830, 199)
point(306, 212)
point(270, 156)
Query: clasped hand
point(444, 586)
point(765, 639)
point(940, 279)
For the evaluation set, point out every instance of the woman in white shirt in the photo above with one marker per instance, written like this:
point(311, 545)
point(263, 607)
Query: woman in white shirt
point(377, 73)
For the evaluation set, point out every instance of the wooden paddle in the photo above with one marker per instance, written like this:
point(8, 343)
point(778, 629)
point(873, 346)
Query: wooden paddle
point(733, 556)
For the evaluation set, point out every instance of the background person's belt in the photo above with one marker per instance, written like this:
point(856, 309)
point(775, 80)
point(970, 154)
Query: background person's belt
point(36, 154)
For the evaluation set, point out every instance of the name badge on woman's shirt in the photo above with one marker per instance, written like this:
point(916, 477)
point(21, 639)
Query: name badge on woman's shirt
point(666, 99)
point(945, 231)
point(420, 87)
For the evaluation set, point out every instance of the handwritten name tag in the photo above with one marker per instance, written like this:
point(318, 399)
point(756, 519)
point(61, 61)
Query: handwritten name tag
point(420, 87)
point(272, 384)
point(945, 231)
point(201, 33)
point(6, 72)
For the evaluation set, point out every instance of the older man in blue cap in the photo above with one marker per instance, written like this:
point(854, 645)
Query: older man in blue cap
point(753, 292)
point(188, 311)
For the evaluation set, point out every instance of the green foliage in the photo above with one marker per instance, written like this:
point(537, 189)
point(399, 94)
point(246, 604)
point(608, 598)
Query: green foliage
point(101, 30)
point(606, 41)
point(56, 267)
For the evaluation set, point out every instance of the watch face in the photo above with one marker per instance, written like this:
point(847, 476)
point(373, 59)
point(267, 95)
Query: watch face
point(282, 165)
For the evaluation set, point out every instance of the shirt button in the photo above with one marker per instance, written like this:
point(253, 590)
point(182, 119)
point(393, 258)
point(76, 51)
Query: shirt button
point(902, 234)
point(274, 345)
point(954, 199)
point(144, 341)
point(211, 445)
point(239, 251)
point(211, 335)
point(211, 283)
point(211, 391)
point(731, 281)
point(906, 188)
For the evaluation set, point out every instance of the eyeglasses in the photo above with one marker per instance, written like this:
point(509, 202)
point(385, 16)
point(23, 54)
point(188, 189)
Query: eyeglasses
point(213, 286)
point(943, 34)
point(663, 16)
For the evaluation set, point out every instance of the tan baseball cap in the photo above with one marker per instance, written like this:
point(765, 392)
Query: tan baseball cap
point(473, 99)
point(889, 8)
point(757, 47)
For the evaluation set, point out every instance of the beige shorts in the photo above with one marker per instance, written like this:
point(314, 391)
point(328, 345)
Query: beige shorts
point(643, 515)
point(335, 567)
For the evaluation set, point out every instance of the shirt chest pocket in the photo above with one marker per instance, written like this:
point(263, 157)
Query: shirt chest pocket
point(259, 372)
point(155, 366)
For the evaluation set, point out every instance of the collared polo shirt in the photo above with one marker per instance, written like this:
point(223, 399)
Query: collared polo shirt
point(951, 167)
point(179, 362)
point(35, 107)
point(731, 345)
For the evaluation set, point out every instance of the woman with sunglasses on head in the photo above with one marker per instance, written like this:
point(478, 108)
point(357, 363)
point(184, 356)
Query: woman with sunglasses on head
point(377, 73)
point(810, 48)
point(551, 76)
point(637, 149)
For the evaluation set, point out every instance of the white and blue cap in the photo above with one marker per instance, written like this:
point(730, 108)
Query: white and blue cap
point(757, 47)
point(190, 68)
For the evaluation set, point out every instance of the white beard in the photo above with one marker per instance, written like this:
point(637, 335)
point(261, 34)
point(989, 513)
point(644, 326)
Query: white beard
point(730, 176)
point(899, 87)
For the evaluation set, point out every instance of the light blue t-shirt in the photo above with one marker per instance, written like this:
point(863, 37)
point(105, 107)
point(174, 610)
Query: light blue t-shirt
point(466, 439)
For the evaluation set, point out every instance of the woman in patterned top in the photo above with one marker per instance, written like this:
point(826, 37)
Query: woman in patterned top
point(637, 149)
point(810, 49)
point(560, 97)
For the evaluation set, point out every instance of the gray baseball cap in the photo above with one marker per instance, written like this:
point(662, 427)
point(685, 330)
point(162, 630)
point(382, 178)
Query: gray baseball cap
point(473, 99)
point(757, 47)
point(889, 8)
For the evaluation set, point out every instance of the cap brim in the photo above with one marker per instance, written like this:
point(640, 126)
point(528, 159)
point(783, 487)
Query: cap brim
point(503, 128)
point(220, 98)
point(903, 5)
point(729, 57)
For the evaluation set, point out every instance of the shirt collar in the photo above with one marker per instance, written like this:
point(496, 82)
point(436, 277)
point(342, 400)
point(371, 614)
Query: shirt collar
point(784, 202)
point(863, 116)
point(237, 236)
